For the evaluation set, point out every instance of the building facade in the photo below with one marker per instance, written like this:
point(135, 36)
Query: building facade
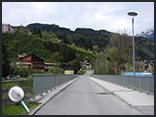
point(7, 28)
point(85, 65)
point(68, 69)
point(31, 62)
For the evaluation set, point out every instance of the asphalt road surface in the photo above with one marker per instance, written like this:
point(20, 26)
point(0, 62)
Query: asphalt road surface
point(85, 97)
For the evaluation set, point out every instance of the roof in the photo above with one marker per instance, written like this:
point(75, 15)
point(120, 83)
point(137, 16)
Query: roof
point(139, 63)
point(32, 56)
point(66, 66)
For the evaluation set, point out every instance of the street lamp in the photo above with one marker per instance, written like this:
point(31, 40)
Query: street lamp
point(105, 61)
point(133, 14)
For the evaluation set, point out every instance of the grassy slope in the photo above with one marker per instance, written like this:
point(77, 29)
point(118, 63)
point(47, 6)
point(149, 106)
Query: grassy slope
point(17, 109)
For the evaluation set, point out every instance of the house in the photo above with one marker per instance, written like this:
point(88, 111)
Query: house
point(85, 65)
point(7, 28)
point(149, 65)
point(68, 69)
point(31, 61)
point(139, 66)
point(144, 66)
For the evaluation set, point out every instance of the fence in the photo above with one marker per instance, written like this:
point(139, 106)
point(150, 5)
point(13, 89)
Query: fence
point(145, 84)
point(43, 82)
point(26, 85)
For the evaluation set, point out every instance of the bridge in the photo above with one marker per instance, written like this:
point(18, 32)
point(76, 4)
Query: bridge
point(90, 95)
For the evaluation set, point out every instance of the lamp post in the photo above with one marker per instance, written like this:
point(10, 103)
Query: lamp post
point(105, 61)
point(133, 14)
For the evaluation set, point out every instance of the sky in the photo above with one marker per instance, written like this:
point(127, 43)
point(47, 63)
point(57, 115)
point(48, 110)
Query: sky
point(110, 16)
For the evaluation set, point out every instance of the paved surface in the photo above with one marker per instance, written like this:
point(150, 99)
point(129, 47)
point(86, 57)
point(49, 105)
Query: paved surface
point(85, 97)
point(47, 96)
point(139, 100)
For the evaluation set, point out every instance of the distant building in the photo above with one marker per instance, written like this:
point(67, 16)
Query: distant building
point(139, 66)
point(31, 61)
point(7, 28)
point(68, 72)
point(149, 66)
point(85, 65)
point(68, 69)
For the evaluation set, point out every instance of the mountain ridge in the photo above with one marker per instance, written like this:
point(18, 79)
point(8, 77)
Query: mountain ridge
point(149, 34)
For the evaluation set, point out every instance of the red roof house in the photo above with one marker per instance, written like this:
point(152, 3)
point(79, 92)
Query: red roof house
point(31, 61)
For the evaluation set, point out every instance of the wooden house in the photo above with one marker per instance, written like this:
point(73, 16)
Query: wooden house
point(31, 61)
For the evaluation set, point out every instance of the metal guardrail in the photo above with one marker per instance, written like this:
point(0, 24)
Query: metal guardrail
point(45, 82)
point(145, 84)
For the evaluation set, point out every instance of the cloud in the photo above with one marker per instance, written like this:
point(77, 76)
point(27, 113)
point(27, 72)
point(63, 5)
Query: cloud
point(97, 15)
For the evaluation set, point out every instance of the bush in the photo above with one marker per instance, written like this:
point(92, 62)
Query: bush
point(56, 70)
point(81, 72)
point(22, 71)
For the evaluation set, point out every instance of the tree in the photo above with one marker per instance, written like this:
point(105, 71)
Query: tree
point(120, 51)
point(22, 71)
point(49, 36)
point(95, 48)
point(5, 62)
point(57, 57)
point(117, 53)
point(69, 40)
point(99, 66)
point(114, 58)
point(14, 70)
point(127, 67)
point(76, 64)
point(21, 29)
point(37, 32)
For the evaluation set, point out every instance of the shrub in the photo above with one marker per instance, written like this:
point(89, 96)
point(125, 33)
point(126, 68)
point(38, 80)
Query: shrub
point(81, 72)
point(55, 70)
point(22, 71)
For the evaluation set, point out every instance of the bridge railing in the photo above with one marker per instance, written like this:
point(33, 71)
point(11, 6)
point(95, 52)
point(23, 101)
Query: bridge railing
point(145, 84)
point(45, 82)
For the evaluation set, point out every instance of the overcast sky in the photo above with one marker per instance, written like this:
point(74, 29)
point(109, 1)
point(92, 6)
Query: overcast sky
point(111, 16)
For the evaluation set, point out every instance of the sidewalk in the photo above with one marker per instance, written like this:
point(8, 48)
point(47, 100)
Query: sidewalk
point(132, 97)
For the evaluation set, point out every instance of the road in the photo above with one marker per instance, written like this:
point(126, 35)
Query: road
point(85, 97)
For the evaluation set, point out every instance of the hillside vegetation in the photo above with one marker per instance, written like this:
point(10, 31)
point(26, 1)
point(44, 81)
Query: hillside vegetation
point(47, 49)
point(57, 44)
point(95, 40)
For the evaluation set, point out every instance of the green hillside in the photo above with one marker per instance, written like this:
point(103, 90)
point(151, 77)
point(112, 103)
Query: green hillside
point(61, 45)
point(91, 39)
point(48, 50)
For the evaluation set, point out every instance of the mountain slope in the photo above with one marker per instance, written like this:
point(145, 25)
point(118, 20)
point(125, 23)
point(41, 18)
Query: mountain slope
point(17, 44)
point(90, 39)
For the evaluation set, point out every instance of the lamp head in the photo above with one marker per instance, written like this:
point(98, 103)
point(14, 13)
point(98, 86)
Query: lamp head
point(132, 14)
